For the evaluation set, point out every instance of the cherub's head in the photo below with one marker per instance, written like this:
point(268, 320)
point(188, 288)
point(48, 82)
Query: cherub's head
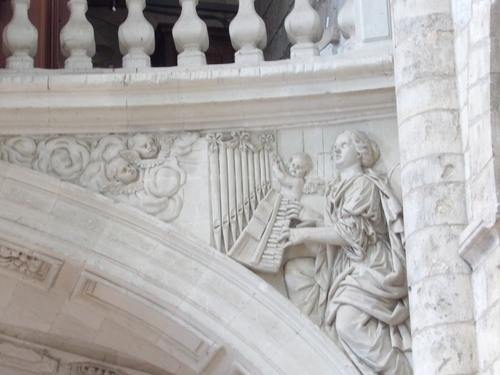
point(122, 171)
point(300, 165)
point(145, 145)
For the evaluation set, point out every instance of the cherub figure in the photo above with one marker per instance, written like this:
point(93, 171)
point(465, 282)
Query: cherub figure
point(124, 177)
point(292, 177)
point(145, 151)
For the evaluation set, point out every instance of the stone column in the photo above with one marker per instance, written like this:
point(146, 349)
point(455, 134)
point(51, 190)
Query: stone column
point(433, 188)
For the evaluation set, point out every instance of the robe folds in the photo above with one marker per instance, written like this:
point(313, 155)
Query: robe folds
point(366, 277)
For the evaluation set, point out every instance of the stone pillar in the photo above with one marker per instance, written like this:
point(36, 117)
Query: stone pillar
point(433, 188)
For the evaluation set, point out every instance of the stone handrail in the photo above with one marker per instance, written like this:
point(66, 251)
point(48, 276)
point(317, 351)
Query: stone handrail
point(247, 32)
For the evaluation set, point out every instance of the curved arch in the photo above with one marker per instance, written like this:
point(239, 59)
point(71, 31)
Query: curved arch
point(119, 286)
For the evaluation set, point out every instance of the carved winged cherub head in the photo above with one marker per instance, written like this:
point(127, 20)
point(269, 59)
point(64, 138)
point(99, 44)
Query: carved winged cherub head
point(119, 170)
point(145, 145)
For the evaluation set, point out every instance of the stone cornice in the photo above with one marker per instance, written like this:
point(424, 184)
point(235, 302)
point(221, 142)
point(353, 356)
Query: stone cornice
point(322, 90)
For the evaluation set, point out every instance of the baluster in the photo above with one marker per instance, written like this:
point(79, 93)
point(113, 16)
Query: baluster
point(303, 28)
point(20, 37)
point(190, 35)
point(77, 37)
point(248, 34)
point(136, 37)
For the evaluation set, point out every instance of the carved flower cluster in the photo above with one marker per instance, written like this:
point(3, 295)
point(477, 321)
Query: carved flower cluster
point(93, 369)
point(16, 260)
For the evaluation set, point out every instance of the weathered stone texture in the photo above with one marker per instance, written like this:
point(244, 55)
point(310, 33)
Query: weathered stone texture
point(443, 321)
point(429, 169)
point(423, 96)
point(430, 257)
point(429, 133)
point(431, 205)
point(437, 305)
point(445, 349)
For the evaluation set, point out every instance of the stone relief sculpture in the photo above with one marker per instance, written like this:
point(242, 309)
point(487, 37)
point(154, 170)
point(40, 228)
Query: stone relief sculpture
point(240, 178)
point(24, 263)
point(291, 177)
point(248, 213)
point(141, 170)
point(92, 369)
point(348, 272)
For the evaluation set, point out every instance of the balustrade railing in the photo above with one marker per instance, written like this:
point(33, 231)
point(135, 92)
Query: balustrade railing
point(247, 31)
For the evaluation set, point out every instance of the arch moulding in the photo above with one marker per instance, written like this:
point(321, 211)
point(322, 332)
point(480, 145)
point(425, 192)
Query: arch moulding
point(86, 280)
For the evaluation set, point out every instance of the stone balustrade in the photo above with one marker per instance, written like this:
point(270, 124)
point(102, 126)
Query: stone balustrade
point(247, 30)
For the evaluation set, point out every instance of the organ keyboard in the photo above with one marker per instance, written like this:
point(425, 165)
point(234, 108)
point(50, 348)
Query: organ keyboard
point(258, 246)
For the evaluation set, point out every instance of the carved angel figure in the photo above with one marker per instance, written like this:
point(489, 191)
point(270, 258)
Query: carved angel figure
point(145, 151)
point(291, 177)
point(348, 273)
point(147, 178)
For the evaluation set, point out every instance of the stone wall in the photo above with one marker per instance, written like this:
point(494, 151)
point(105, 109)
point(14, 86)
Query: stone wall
point(477, 61)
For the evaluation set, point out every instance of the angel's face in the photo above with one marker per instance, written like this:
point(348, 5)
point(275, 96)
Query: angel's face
point(297, 167)
point(124, 172)
point(146, 146)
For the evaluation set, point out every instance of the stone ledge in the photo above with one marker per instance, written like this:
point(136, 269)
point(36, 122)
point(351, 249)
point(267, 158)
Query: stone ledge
point(318, 90)
point(477, 240)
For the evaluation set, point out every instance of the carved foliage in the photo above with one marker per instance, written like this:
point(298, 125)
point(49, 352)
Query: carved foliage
point(142, 169)
point(22, 262)
point(93, 369)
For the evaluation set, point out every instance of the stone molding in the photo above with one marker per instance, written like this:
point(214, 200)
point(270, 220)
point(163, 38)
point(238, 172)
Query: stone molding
point(189, 344)
point(26, 359)
point(209, 291)
point(338, 89)
point(478, 240)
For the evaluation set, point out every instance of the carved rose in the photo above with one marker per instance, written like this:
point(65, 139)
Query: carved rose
point(18, 150)
point(64, 157)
